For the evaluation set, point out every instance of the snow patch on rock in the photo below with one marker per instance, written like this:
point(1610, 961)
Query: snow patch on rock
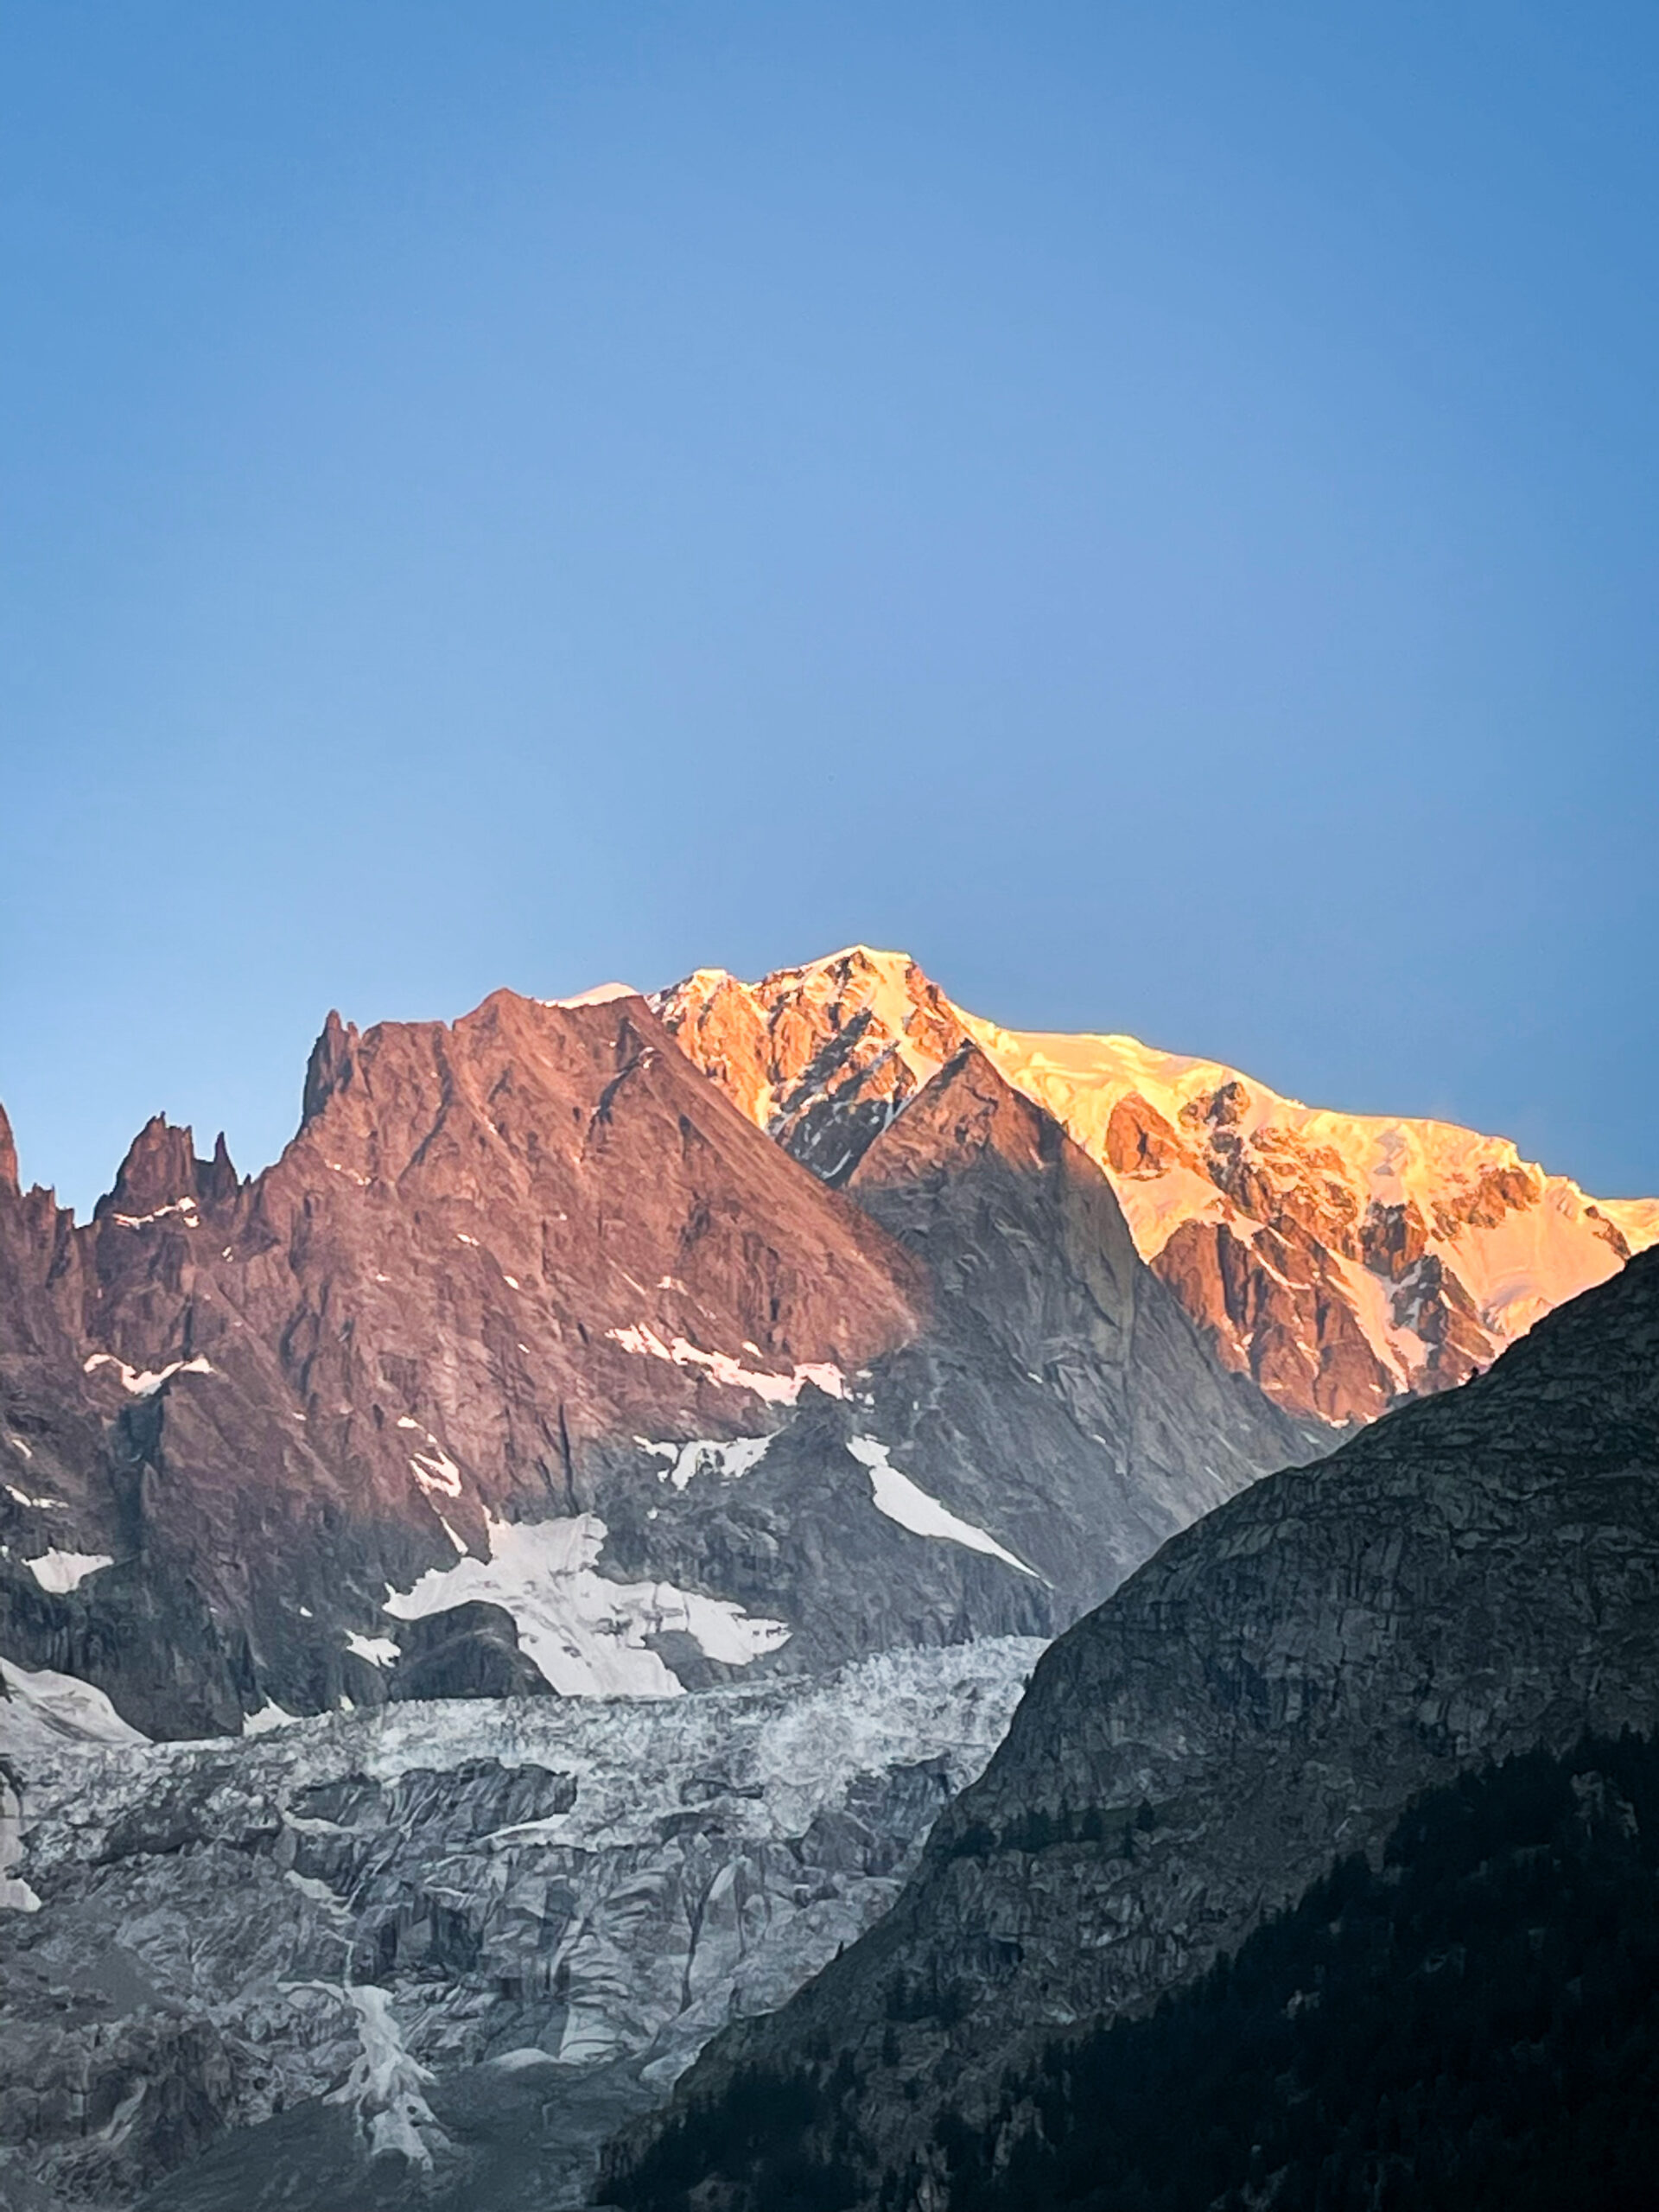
point(39, 1504)
point(777, 1389)
point(730, 1461)
point(144, 1382)
point(185, 1208)
point(911, 1506)
point(61, 1572)
point(587, 1634)
point(270, 1715)
point(600, 994)
point(42, 1710)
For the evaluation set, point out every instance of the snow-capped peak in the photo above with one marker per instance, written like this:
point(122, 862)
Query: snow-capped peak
point(600, 994)
point(1397, 1252)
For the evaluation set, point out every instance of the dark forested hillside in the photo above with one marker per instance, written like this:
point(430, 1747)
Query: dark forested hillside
point(1474, 2028)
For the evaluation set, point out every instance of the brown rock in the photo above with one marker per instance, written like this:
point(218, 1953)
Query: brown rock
point(1140, 1141)
point(503, 1268)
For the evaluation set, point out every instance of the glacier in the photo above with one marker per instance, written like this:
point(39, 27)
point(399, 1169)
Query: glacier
point(442, 1948)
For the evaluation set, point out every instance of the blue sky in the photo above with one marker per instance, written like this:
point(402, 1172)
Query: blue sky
point(1150, 507)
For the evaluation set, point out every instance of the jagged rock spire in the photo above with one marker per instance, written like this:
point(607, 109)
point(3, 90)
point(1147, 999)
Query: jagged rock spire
point(8, 1159)
point(329, 1066)
point(159, 1170)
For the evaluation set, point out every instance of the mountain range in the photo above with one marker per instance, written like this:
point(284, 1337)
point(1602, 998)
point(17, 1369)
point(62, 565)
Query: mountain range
point(896, 1351)
point(513, 1587)
point(529, 1319)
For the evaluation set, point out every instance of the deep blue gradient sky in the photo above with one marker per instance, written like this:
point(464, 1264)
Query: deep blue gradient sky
point(1153, 507)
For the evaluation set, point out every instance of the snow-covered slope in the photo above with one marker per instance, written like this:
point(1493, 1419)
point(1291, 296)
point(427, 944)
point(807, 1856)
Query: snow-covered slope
point(1444, 1243)
point(1341, 1260)
point(589, 1634)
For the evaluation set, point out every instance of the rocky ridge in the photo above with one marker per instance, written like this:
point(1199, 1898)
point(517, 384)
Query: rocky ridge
point(1473, 1576)
point(1342, 1261)
point(532, 1360)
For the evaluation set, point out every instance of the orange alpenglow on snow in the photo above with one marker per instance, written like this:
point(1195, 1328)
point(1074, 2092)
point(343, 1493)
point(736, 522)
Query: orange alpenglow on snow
point(1344, 1261)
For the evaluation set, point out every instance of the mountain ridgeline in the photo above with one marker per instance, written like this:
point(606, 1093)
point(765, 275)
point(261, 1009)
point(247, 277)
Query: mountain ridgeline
point(1342, 1261)
point(533, 1362)
point(608, 1347)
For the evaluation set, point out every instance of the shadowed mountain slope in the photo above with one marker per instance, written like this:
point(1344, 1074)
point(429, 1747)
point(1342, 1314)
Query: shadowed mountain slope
point(1471, 2027)
point(1475, 1576)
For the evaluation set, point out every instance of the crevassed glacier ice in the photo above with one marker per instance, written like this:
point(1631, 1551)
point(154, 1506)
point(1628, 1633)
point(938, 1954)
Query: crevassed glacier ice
point(553, 1903)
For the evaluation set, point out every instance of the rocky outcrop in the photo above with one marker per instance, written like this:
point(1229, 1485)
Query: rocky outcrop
point(1343, 1262)
point(433, 1953)
point(468, 1651)
point(8, 1159)
point(1058, 1329)
point(1473, 1576)
point(1269, 1311)
point(822, 1057)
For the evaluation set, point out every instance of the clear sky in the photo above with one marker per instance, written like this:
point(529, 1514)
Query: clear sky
point(1151, 507)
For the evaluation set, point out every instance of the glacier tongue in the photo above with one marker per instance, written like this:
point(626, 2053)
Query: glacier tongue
point(473, 1933)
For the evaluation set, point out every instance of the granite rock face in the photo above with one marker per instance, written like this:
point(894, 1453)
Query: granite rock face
point(1054, 1320)
point(529, 1316)
point(822, 1058)
point(471, 1650)
point(1475, 1575)
point(431, 1954)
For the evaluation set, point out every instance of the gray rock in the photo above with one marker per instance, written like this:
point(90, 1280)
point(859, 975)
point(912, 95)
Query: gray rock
point(471, 1650)
point(1475, 1575)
